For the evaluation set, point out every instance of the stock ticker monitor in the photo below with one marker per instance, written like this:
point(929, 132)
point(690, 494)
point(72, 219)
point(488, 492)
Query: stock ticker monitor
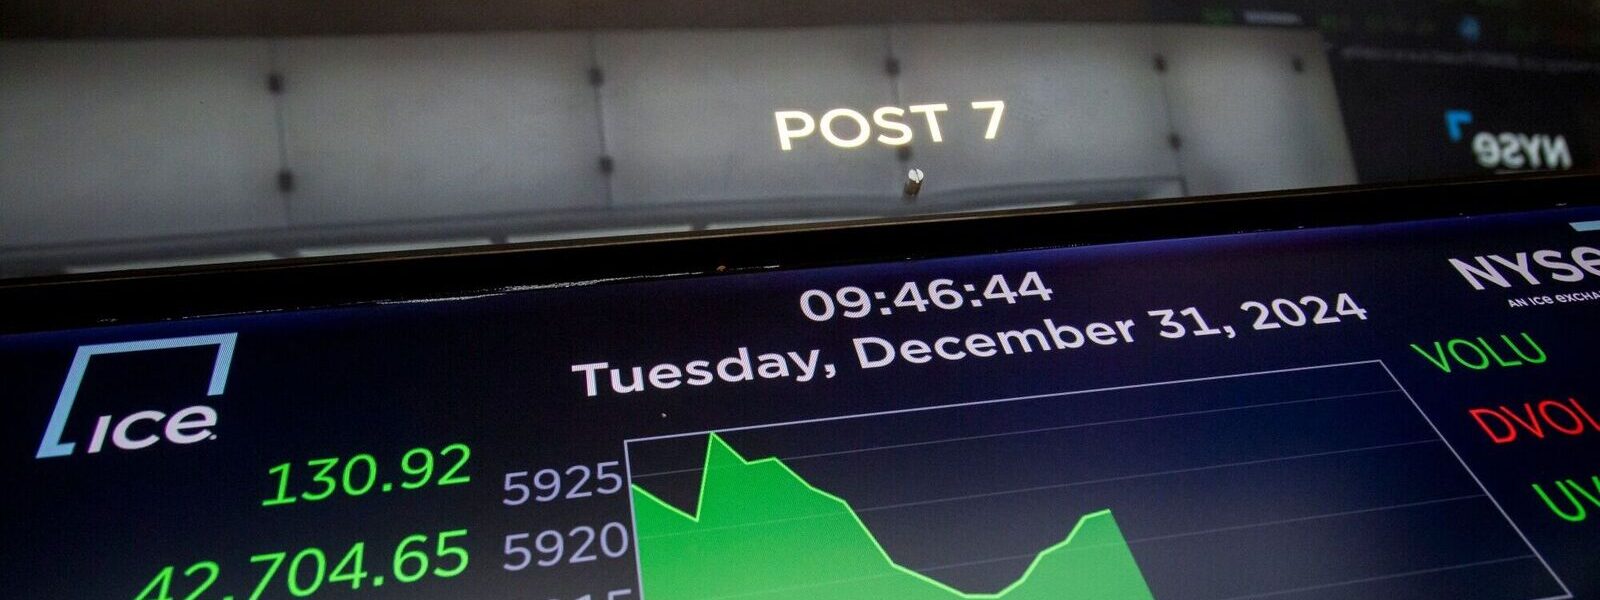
point(1379, 392)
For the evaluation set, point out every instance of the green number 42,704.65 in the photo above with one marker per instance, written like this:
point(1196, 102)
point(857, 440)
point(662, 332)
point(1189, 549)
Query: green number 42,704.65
point(310, 570)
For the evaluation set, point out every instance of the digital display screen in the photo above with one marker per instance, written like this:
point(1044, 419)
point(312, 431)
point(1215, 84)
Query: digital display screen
point(1393, 411)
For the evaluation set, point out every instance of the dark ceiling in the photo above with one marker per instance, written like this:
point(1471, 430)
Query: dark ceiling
point(189, 18)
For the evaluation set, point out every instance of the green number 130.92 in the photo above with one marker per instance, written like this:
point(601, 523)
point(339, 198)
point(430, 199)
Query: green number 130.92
point(361, 474)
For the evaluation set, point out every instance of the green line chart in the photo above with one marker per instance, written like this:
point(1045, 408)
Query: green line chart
point(761, 531)
point(1314, 483)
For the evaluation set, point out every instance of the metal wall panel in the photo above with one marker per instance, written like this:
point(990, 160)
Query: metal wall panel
point(408, 127)
point(1249, 120)
point(158, 149)
point(690, 115)
point(1082, 103)
point(112, 140)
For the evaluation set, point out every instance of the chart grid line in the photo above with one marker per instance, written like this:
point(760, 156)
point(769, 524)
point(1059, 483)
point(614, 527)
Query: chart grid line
point(1176, 415)
point(1056, 486)
point(885, 413)
point(1324, 586)
point(1244, 527)
point(1229, 465)
point(1475, 479)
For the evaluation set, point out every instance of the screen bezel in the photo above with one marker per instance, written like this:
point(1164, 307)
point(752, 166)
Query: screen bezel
point(75, 301)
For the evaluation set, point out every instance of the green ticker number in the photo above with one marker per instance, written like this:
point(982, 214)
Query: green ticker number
point(308, 571)
point(358, 475)
point(161, 586)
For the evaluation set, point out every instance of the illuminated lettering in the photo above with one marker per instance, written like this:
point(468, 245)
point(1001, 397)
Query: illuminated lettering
point(742, 366)
point(787, 135)
point(863, 130)
point(999, 108)
point(1566, 267)
point(1479, 354)
point(932, 112)
point(881, 116)
point(845, 127)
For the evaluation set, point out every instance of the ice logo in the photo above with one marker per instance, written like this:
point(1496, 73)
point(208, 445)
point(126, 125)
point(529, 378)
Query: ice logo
point(186, 426)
